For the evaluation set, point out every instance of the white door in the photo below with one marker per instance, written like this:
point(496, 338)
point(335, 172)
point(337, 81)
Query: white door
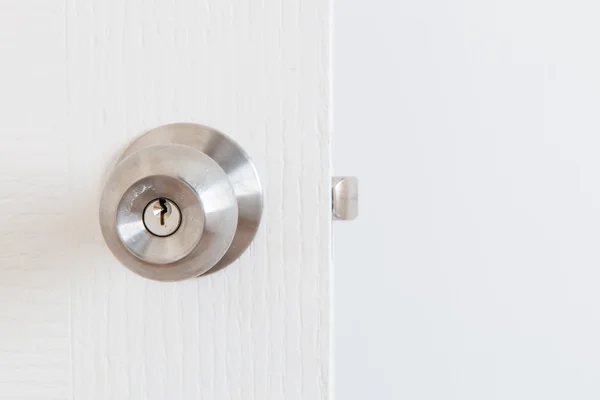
point(79, 80)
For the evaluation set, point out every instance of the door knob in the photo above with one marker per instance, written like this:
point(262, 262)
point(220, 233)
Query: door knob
point(182, 200)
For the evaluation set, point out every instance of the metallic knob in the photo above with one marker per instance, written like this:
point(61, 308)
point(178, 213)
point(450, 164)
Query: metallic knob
point(182, 200)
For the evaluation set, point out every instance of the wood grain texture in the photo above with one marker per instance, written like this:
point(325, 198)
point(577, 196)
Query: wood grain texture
point(259, 72)
point(34, 261)
point(80, 80)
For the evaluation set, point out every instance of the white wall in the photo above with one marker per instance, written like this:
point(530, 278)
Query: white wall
point(473, 271)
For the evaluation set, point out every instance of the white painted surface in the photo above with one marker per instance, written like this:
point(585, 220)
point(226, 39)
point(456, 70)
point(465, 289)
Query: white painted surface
point(473, 271)
point(80, 79)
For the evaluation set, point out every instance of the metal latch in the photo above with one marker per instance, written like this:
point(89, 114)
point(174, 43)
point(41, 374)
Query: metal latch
point(344, 192)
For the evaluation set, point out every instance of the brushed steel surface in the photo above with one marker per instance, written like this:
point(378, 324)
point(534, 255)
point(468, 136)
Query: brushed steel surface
point(211, 182)
point(344, 198)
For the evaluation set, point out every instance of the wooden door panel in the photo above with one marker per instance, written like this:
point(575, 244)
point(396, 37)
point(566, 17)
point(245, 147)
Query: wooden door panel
point(83, 79)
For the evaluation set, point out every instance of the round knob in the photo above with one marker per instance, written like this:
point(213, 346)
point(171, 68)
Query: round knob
point(182, 200)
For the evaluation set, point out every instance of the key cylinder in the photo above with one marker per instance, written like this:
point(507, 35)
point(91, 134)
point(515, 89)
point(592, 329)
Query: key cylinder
point(162, 217)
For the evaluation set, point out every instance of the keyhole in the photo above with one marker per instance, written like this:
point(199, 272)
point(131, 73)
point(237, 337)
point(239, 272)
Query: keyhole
point(163, 205)
point(162, 217)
